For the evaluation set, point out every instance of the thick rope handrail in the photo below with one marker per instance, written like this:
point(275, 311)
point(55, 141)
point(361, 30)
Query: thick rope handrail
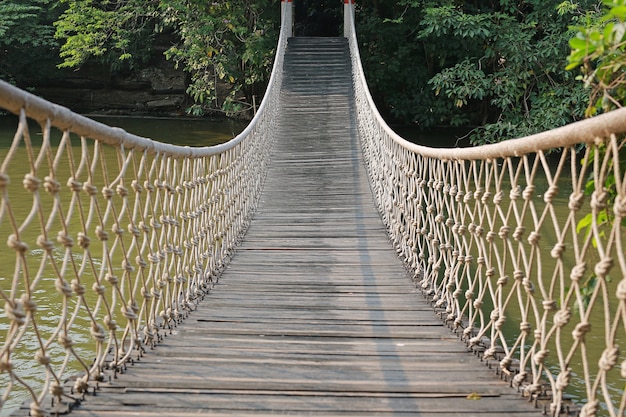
point(518, 245)
point(584, 131)
point(115, 239)
point(62, 118)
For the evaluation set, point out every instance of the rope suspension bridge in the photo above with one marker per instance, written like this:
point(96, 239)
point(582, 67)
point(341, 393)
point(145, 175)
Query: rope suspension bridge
point(256, 277)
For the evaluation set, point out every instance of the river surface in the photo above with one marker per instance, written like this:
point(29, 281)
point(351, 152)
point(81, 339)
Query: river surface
point(188, 132)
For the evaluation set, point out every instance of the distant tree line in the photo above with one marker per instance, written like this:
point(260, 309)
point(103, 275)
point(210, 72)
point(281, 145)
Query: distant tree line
point(498, 65)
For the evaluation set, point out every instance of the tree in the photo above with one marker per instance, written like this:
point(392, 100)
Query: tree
point(27, 44)
point(115, 33)
point(497, 65)
point(223, 42)
point(599, 50)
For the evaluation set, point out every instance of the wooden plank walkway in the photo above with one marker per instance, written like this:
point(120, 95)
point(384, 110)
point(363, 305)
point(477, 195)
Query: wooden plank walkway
point(315, 315)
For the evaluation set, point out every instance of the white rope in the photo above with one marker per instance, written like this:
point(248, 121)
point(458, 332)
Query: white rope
point(484, 231)
point(131, 232)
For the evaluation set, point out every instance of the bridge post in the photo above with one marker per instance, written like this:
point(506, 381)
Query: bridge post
point(286, 10)
point(348, 16)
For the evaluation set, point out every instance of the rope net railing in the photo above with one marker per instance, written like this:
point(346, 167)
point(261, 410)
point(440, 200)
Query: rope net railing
point(112, 240)
point(519, 247)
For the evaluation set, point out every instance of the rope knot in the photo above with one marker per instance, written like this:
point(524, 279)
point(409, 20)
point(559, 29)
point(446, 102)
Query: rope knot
point(505, 364)
point(75, 185)
point(581, 330)
point(490, 353)
point(525, 327)
point(141, 263)
point(107, 193)
point(56, 389)
point(549, 305)
point(528, 285)
point(121, 191)
point(78, 288)
point(498, 197)
point(81, 385)
point(515, 192)
point(590, 409)
point(148, 186)
point(137, 188)
point(619, 208)
point(503, 280)
point(16, 244)
point(504, 232)
point(519, 232)
point(63, 287)
point(98, 289)
point(15, 312)
point(486, 196)
point(64, 239)
point(576, 200)
point(90, 189)
point(520, 378)
point(36, 410)
point(31, 183)
point(603, 267)
point(110, 323)
point(83, 240)
point(117, 230)
point(500, 322)
point(65, 341)
point(42, 358)
point(111, 279)
point(97, 332)
point(534, 238)
point(562, 381)
point(528, 193)
point(51, 185)
point(101, 233)
point(127, 266)
point(608, 358)
point(134, 230)
point(557, 250)
point(44, 243)
point(599, 199)
point(578, 271)
point(562, 317)
point(549, 195)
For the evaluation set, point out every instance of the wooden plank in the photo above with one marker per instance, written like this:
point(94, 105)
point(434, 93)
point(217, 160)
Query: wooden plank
point(315, 315)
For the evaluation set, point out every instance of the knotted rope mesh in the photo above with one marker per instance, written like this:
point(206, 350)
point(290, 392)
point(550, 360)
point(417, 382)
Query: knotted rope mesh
point(112, 233)
point(519, 247)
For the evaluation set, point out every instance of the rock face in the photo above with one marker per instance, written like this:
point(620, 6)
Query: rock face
point(157, 89)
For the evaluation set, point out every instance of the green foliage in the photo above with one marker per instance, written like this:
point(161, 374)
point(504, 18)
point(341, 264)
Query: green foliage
point(493, 64)
point(116, 33)
point(599, 50)
point(26, 26)
point(225, 42)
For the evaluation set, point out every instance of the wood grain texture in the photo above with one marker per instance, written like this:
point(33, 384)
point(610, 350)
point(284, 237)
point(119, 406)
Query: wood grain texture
point(315, 315)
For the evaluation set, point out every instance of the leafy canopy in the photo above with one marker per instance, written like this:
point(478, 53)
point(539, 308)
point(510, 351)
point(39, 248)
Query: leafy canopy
point(498, 65)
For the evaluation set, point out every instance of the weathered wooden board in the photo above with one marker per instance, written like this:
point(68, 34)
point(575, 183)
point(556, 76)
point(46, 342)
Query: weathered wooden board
point(315, 315)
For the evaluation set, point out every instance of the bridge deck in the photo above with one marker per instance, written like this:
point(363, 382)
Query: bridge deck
point(315, 315)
